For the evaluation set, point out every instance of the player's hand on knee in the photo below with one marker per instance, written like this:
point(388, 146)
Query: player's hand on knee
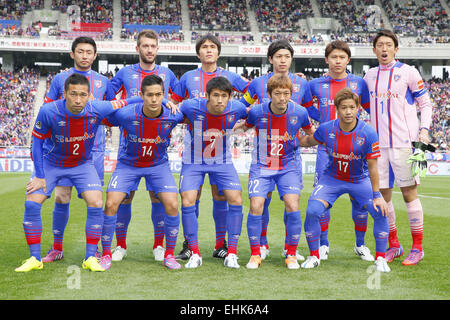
point(36, 184)
point(380, 205)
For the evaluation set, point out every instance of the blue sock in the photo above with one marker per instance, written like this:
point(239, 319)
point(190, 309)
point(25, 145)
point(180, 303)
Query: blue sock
point(312, 224)
point(380, 229)
point(190, 227)
point(158, 217)
point(265, 222)
point(94, 228)
point(220, 210)
point(197, 208)
point(109, 226)
point(60, 219)
point(254, 227)
point(293, 231)
point(324, 220)
point(171, 229)
point(123, 220)
point(32, 226)
point(234, 227)
point(359, 216)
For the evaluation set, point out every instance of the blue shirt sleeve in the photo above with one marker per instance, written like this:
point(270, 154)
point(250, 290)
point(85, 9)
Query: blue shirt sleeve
point(320, 133)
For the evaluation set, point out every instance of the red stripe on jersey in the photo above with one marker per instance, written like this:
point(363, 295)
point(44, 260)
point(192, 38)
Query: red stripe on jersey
point(343, 146)
point(336, 86)
point(40, 135)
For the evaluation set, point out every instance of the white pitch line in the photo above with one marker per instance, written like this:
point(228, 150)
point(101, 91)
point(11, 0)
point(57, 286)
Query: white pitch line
point(423, 196)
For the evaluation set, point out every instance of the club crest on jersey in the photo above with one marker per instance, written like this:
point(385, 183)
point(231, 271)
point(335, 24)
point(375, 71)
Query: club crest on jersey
point(231, 118)
point(38, 125)
point(98, 83)
point(92, 120)
point(354, 85)
point(294, 120)
point(167, 125)
point(132, 137)
point(360, 141)
point(324, 101)
point(134, 91)
point(397, 77)
point(296, 87)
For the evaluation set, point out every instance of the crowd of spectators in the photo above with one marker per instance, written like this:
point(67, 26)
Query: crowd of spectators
point(151, 12)
point(280, 16)
point(440, 96)
point(297, 38)
point(238, 38)
point(163, 36)
point(17, 93)
point(219, 15)
point(417, 17)
point(95, 11)
point(15, 10)
point(13, 31)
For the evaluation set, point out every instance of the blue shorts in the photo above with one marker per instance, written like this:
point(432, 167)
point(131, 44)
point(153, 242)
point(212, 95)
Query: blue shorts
point(83, 177)
point(329, 189)
point(225, 176)
point(263, 181)
point(98, 159)
point(159, 178)
point(321, 163)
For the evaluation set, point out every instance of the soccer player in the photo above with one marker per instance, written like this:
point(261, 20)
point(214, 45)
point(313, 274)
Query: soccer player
point(280, 54)
point(324, 89)
point(84, 53)
point(394, 88)
point(207, 150)
point(147, 127)
point(127, 82)
point(274, 162)
point(353, 147)
point(193, 85)
point(63, 137)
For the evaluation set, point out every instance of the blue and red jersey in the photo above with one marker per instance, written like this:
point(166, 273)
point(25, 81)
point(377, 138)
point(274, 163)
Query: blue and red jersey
point(207, 139)
point(324, 89)
point(128, 80)
point(146, 139)
point(348, 151)
point(101, 89)
point(69, 138)
point(257, 91)
point(277, 135)
point(192, 84)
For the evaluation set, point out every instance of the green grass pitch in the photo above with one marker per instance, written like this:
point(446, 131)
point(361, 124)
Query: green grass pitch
point(138, 276)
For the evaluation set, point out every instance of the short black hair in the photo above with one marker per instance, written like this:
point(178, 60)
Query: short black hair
point(219, 83)
point(385, 33)
point(278, 45)
point(150, 81)
point(203, 39)
point(87, 40)
point(76, 78)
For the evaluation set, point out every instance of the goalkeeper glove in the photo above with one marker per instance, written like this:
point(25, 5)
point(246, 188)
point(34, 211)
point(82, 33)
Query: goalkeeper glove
point(417, 159)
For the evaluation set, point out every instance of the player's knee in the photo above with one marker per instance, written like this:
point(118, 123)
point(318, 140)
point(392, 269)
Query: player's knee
point(63, 195)
point(315, 208)
point(235, 199)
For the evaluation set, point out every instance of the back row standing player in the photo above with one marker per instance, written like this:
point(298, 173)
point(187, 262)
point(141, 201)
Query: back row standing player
point(394, 88)
point(192, 85)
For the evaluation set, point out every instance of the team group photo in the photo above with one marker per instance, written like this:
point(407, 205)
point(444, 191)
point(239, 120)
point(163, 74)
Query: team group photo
point(224, 150)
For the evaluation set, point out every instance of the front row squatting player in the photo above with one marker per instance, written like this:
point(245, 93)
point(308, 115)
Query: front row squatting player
point(280, 55)
point(146, 127)
point(353, 147)
point(324, 89)
point(207, 151)
point(395, 88)
point(277, 123)
point(63, 137)
point(84, 53)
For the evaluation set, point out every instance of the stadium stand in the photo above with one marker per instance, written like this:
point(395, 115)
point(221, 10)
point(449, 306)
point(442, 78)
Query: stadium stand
point(17, 92)
point(218, 15)
point(440, 96)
